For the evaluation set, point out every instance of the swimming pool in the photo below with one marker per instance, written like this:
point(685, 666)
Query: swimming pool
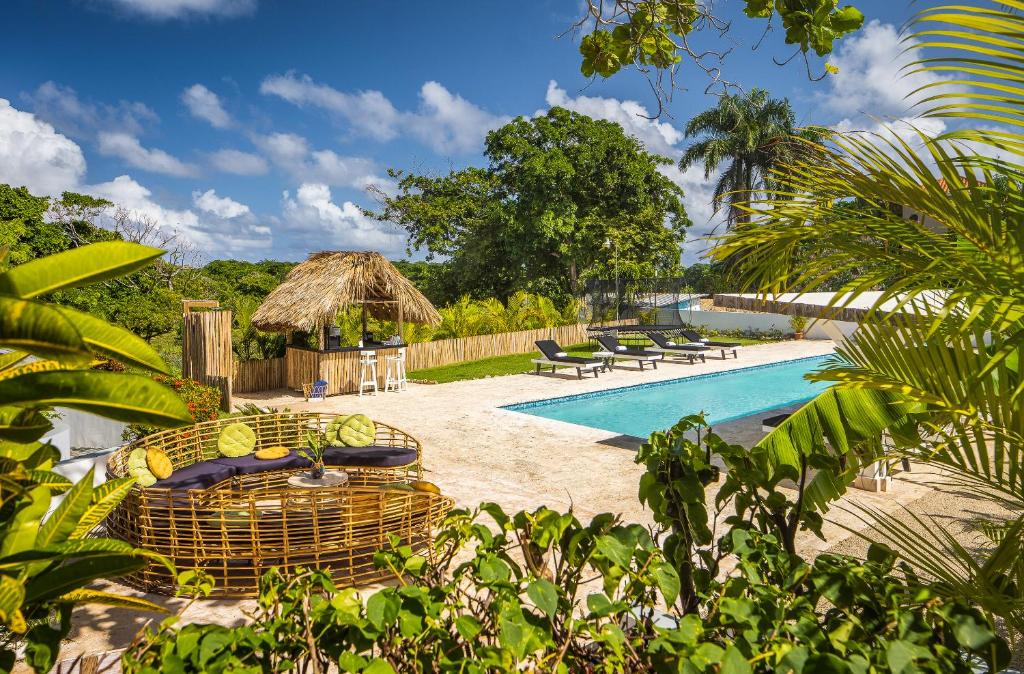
point(722, 396)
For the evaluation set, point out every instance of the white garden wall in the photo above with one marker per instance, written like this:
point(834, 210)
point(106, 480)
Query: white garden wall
point(763, 322)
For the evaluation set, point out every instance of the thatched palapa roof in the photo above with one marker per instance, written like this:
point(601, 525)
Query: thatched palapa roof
point(315, 290)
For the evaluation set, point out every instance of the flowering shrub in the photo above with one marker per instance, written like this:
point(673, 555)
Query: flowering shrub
point(203, 404)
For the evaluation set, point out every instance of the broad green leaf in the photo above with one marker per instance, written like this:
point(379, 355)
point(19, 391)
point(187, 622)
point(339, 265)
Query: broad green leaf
point(87, 596)
point(39, 329)
point(378, 666)
point(115, 342)
point(382, 608)
point(76, 267)
point(544, 595)
point(468, 627)
point(10, 359)
point(105, 498)
point(59, 525)
point(733, 662)
point(21, 425)
point(69, 577)
point(667, 579)
point(20, 533)
point(123, 397)
point(12, 595)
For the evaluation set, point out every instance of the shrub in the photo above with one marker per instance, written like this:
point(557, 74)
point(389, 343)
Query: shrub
point(541, 591)
point(202, 401)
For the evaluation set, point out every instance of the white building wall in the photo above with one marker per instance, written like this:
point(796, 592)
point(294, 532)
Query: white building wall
point(763, 322)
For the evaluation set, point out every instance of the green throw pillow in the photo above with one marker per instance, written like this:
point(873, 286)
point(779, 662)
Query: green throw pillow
point(138, 467)
point(352, 431)
point(236, 440)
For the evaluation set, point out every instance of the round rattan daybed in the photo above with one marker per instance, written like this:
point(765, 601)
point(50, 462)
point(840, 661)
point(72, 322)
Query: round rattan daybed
point(237, 518)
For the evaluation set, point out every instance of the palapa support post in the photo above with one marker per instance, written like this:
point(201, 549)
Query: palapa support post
point(401, 322)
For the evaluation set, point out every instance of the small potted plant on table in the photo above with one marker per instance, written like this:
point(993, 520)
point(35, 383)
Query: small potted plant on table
point(314, 453)
point(798, 323)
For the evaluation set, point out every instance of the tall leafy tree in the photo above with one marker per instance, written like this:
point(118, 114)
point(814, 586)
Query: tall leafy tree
point(751, 134)
point(559, 191)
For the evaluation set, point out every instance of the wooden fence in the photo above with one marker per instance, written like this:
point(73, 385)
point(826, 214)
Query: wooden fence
point(424, 355)
point(300, 366)
point(259, 375)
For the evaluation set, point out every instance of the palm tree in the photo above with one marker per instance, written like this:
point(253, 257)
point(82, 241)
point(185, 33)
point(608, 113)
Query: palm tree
point(936, 364)
point(752, 133)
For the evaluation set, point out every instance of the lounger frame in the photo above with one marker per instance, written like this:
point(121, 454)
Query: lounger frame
point(609, 357)
point(688, 354)
point(580, 367)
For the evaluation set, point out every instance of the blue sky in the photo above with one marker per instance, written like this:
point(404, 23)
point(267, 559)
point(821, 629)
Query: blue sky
point(253, 127)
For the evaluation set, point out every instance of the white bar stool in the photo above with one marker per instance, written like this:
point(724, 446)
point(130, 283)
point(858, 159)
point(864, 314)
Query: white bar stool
point(367, 366)
point(395, 379)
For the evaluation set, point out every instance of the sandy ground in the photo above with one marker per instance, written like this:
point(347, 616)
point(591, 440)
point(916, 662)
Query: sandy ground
point(477, 452)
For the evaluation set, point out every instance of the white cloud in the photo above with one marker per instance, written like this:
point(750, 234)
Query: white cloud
point(33, 154)
point(445, 122)
point(125, 192)
point(293, 154)
point(61, 106)
point(176, 9)
point(238, 162)
point(206, 105)
point(658, 137)
point(213, 235)
point(367, 111)
point(222, 207)
point(315, 217)
point(130, 150)
point(873, 77)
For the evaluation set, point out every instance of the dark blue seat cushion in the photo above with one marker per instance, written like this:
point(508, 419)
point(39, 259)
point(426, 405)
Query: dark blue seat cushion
point(197, 476)
point(248, 464)
point(372, 456)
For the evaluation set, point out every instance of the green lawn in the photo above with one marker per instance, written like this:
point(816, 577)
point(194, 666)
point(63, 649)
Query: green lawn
point(514, 364)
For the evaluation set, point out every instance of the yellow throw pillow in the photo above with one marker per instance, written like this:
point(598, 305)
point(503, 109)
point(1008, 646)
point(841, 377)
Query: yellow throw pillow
point(236, 440)
point(138, 467)
point(357, 431)
point(158, 463)
point(423, 485)
point(271, 453)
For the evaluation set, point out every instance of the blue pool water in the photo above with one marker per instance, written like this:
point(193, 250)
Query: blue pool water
point(642, 409)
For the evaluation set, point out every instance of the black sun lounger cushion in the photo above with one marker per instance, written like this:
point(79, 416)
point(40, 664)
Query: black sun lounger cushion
point(248, 464)
point(612, 345)
point(553, 352)
point(664, 343)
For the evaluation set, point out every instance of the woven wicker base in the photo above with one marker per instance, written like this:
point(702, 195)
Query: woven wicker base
point(240, 528)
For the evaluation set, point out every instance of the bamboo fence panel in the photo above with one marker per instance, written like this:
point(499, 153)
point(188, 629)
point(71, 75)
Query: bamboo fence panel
point(423, 355)
point(259, 375)
point(341, 368)
point(206, 354)
point(302, 366)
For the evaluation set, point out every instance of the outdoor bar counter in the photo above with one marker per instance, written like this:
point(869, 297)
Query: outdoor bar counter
point(338, 367)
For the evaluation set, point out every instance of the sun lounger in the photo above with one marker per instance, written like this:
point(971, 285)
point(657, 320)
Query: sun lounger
point(556, 357)
point(690, 351)
point(613, 350)
point(721, 346)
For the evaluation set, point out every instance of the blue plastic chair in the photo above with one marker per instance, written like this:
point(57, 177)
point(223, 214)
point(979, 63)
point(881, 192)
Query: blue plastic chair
point(318, 391)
